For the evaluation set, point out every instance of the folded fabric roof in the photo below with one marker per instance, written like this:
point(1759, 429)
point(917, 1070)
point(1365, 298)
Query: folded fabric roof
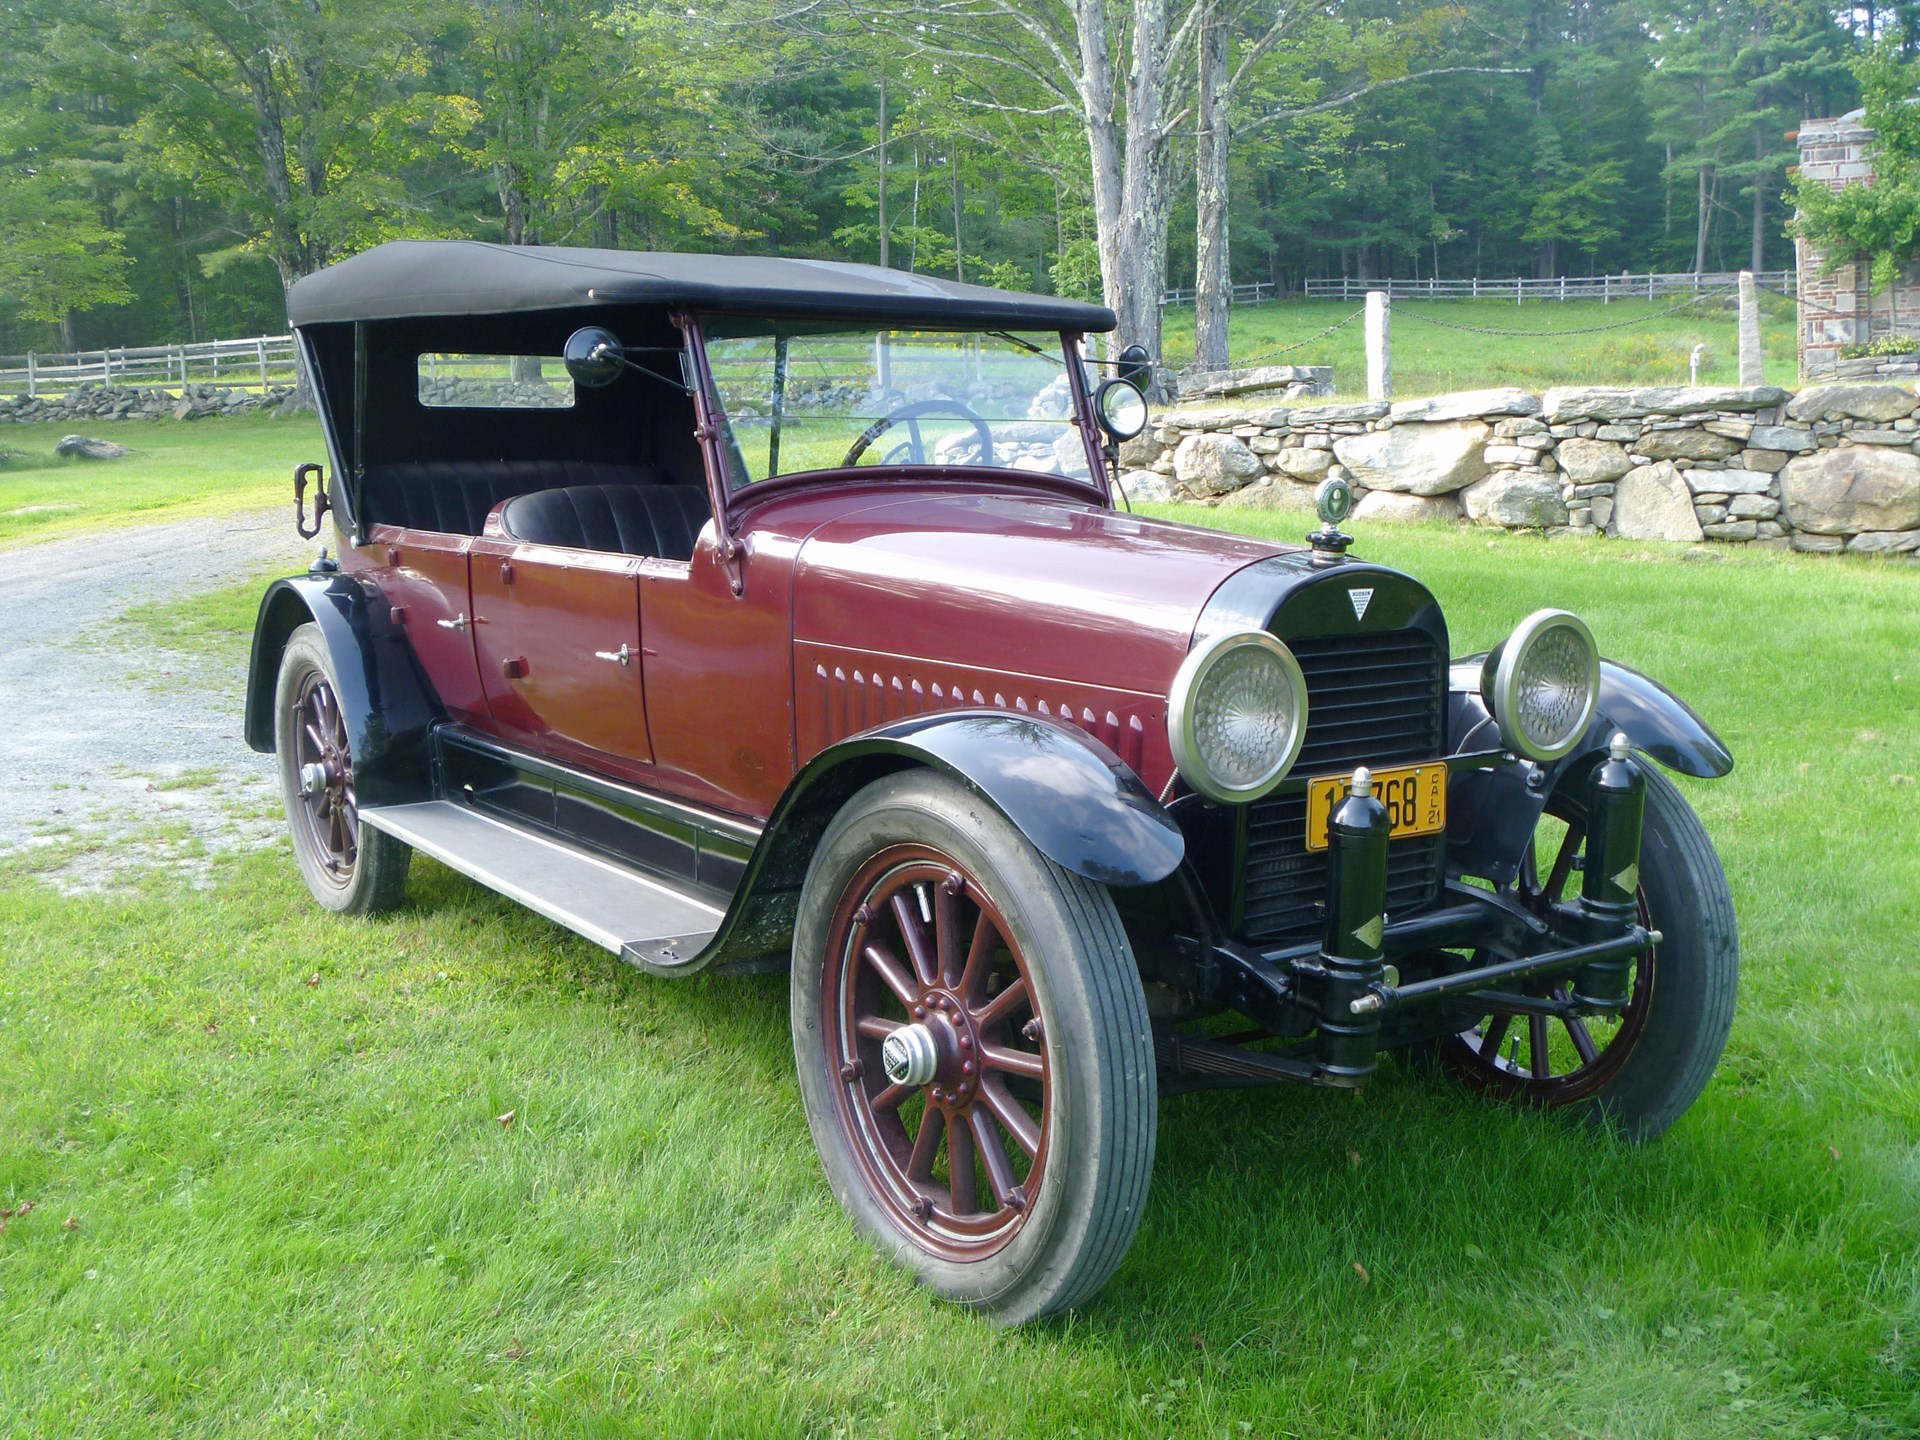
point(406, 278)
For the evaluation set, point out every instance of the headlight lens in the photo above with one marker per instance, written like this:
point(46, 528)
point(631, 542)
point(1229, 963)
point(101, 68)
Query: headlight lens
point(1121, 408)
point(1541, 684)
point(1237, 715)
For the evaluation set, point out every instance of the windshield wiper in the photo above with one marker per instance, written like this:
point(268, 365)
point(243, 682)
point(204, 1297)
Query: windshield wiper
point(1026, 345)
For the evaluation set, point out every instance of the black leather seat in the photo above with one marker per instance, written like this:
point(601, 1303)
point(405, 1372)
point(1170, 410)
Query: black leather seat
point(659, 520)
point(455, 496)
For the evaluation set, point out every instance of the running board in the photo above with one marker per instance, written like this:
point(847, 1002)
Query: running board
point(644, 921)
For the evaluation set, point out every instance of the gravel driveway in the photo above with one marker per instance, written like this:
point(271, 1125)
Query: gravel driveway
point(96, 725)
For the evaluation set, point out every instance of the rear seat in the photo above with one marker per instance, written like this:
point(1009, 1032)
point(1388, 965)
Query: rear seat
point(659, 520)
point(455, 496)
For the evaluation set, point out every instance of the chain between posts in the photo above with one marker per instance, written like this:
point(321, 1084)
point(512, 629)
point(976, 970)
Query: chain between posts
point(1266, 355)
point(1402, 310)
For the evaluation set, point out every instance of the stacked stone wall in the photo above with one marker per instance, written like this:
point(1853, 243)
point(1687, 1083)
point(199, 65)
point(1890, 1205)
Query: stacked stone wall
point(1834, 467)
point(96, 401)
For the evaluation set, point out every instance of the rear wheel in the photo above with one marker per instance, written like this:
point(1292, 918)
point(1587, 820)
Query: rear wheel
point(973, 1050)
point(1638, 1070)
point(349, 869)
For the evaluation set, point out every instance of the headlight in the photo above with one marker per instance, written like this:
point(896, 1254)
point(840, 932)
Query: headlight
point(1237, 715)
point(1541, 684)
point(1120, 408)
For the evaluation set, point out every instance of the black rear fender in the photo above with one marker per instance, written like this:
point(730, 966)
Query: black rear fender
point(386, 700)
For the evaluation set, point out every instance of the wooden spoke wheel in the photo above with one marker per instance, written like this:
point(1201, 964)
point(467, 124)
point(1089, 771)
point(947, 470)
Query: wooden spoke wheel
point(347, 867)
point(973, 1049)
point(323, 763)
point(1642, 1067)
point(929, 1014)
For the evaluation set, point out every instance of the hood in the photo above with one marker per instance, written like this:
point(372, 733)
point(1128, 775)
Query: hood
point(1031, 586)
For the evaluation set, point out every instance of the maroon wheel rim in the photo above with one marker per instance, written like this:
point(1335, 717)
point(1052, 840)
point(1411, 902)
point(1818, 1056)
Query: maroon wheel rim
point(326, 815)
point(1548, 1061)
point(917, 953)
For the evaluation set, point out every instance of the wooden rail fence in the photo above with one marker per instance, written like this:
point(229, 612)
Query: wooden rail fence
point(1605, 288)
point(1624, 286)
point(255, 363)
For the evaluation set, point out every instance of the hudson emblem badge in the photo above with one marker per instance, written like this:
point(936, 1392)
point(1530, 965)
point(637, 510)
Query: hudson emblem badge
point(1360, 599)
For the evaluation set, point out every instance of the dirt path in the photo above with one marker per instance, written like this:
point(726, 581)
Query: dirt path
point(96, 725)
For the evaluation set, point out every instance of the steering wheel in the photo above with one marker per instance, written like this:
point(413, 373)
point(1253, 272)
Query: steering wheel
point(911, 413)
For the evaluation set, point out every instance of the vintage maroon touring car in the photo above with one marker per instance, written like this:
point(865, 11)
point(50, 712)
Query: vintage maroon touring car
point(752, 613)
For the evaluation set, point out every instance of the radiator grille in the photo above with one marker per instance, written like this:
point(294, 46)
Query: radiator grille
point(1374, 700)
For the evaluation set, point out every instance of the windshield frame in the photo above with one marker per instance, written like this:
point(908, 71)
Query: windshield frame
point(717, 427)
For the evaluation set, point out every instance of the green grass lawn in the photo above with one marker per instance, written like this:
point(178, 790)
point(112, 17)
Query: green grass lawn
point(457, 1173)
point(177, 469)
point(1646, 347)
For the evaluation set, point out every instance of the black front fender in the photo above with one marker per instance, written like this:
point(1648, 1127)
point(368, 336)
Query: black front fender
point(1493, 812)
point(385, 699)
point(1657, 722)
point(1079, 803)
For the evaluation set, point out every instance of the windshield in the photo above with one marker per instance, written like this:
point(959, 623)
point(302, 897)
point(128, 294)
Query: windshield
point(799, 399)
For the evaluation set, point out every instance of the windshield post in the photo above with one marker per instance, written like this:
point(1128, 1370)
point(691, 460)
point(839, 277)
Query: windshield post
point(710, 429)
point(1071, 342)
point(779, 402)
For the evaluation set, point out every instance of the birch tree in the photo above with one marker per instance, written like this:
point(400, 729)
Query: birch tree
point(1298, 60)
point(1131, 73)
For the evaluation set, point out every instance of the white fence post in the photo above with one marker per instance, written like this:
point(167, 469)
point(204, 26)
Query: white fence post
point(1379, 347)
point(33, 383)
point(260, 349)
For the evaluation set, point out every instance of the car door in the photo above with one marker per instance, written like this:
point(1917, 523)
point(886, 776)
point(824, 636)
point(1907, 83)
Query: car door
point(720, 673)
point(557, 635)
point(422, 576)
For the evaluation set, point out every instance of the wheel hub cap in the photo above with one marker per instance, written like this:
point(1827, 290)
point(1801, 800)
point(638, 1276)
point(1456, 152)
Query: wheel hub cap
point(910, 1055)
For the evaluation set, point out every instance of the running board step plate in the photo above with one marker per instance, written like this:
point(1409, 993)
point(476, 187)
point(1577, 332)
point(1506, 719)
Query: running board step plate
point(642, 920)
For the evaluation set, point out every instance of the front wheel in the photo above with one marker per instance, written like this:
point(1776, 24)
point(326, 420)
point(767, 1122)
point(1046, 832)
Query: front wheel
point(1641, 1069)
point(973, 1048)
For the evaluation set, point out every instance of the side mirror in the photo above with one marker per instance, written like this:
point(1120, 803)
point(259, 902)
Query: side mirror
point(1120, 408)
point(594, 357)
point(1134, 365)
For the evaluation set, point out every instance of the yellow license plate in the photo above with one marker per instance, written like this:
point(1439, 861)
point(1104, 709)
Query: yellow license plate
point(1415, 797)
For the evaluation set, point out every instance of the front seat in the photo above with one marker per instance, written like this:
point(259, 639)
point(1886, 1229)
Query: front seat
point(655, 520)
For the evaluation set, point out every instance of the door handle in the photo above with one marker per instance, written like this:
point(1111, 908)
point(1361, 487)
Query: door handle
point(622, 656)
point(459, 622)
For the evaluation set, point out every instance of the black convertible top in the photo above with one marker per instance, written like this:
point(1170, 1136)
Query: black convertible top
point(406, 278)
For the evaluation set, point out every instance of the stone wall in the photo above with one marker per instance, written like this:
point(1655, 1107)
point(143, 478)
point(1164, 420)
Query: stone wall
point(95, 401)
point(1833, 467)
point(1840, 309)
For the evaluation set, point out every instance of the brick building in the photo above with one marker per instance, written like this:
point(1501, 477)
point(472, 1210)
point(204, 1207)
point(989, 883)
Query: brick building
point(1841, 309)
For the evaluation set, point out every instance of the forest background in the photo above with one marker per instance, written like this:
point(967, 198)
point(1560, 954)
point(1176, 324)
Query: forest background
point(167, 167)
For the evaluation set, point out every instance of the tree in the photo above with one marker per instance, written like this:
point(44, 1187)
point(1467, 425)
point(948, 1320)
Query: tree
point(55, 255)
point(584, 109)
point(1296, 61)
point(58, 253)
point(1791, 60)
point(1573, 204)
point(293, 114)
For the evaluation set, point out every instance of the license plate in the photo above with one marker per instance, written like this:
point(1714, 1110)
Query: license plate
point(1415, 797)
